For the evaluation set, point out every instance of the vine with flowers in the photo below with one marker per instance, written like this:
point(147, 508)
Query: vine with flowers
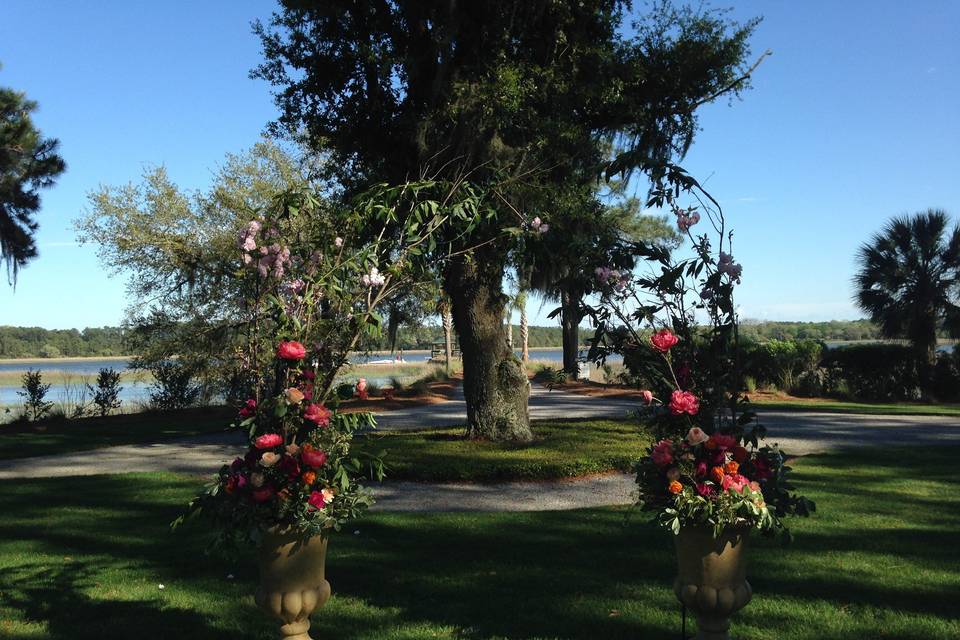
point(317, 275)
point(677, 329)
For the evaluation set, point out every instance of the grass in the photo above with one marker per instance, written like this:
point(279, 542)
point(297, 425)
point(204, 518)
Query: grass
point(21, 440)
point(872, 408)
point(561, 449)
point(880, 559)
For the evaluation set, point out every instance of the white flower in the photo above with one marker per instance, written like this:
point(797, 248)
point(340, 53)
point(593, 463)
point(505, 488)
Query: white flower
point(338, 242)
point(161, 587)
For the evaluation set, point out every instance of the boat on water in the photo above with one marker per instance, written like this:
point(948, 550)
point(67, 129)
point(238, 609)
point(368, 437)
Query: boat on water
point(397, 360)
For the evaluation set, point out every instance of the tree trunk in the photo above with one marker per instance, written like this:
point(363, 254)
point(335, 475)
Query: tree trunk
point(570, 321)
point(448, 336)
point(524, 332)
point(494, 381)
point(509, 330)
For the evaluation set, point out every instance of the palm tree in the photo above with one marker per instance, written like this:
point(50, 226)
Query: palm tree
point(909, 282)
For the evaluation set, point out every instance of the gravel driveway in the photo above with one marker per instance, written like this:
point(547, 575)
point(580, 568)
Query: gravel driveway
point(798, 433)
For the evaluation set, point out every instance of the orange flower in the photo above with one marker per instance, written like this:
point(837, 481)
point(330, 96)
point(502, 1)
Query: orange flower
point(717, 474)
point(731, 467)
point(675, 487)
point(309, 477)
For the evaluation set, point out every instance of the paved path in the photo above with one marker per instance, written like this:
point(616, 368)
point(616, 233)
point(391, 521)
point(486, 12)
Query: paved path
point(797, 433)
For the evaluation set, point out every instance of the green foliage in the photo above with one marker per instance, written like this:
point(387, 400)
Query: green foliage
point(877, 372)
point(34, 393)
point(174, 386)
point(178, 251)
point(33, 342)
point(909, 282)
point(106, 395)
point(28, 162)
point(549, 376)
point(781, 363)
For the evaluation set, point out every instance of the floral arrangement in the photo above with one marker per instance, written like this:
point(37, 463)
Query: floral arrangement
point(315, 276)
point(298, 470)
point(718, 480)
point(678, 332)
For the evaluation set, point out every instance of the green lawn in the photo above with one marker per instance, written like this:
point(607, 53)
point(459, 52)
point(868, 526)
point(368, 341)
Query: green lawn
point(873, 408)
point(82, 558)
point(561, 449)
point(21, 440)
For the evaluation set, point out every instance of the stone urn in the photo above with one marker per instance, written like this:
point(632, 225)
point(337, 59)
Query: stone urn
point(712, 577)
point(292, 582)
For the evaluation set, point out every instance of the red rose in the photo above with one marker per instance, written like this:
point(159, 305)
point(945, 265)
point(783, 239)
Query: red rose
point(249, 408)
point(291, 350)
point(684, 402)
point(264, 494)
point(317, 413)
point(663, 340)
point(740, 454)
point(312, 457)
point(268, 441)
point(316, 500)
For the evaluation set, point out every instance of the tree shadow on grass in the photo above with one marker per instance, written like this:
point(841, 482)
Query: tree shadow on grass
point(59, 600)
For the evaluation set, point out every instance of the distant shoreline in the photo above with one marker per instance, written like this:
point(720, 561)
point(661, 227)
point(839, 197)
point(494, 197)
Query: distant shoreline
point(83, 358)
point(45, 361)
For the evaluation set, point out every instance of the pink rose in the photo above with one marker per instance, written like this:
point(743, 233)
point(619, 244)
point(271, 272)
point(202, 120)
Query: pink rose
point(362, 384)
point(736, 482)
point(684, 402)
point(647, 396)
point(318, 414)
point(701, 469)
point(291, 350)
point(268, 441)
point(696, 436)
point(662, 453)
point(705, 490)
point(312, 457)
point(664, 340)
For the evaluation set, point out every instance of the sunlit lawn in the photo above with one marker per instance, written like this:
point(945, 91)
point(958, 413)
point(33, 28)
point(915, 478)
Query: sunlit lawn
point(560, 449)
point(83, 558)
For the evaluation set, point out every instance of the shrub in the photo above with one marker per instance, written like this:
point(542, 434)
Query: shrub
point(879, 372)
point(810, 384)
point(780, 363)
point(345, 390)
point(106, 395)
point(750, 384)
point(173, 386)
point(34, 393)
point(946, 377)
point(549, 376)
point(397, 383)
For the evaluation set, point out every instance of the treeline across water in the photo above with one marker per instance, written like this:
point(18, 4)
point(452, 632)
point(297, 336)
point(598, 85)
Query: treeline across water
point(35, 342)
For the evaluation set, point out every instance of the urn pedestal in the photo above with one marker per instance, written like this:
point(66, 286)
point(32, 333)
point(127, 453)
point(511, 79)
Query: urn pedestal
point(292, 582)
point(712, 578)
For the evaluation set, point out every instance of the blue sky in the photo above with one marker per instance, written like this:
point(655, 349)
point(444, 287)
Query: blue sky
point(852, 120)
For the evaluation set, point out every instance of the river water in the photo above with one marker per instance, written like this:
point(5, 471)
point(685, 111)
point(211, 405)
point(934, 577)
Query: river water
point(84, 370)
